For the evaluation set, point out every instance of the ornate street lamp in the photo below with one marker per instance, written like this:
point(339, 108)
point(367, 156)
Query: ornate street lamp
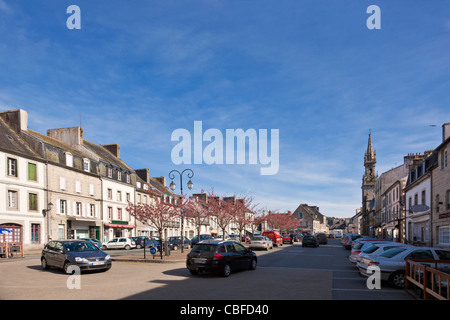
point(172, 186)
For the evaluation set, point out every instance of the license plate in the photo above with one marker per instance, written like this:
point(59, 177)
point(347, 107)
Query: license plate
point(199, 260)
point(97, 263)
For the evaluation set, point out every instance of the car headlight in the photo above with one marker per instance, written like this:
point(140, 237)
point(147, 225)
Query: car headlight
point(108, 257)
point(81, 260)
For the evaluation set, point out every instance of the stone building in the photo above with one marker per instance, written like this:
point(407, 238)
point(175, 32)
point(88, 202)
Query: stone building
point(440, 185)
point(368, 186)
point(310, 218)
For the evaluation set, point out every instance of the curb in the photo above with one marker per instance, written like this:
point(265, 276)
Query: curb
point(146, 260)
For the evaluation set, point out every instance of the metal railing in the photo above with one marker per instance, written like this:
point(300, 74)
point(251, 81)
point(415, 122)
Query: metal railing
point(430, 281)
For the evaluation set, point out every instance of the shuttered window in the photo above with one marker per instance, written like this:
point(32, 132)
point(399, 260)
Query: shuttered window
point(32, 172)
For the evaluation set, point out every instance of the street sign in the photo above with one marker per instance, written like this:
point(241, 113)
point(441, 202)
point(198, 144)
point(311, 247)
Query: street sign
point(153, 250)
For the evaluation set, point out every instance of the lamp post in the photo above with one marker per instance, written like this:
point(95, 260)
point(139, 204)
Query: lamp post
point(172, 186)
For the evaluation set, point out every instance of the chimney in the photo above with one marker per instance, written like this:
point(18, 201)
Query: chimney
point(445, 131)
point(144, 174)
point(16, 119)
point(200, 196)
point(72, 136)
point(161, 180)
point(113, 148)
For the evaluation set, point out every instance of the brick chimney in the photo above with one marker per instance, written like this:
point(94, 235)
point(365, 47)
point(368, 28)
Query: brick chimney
point(16, 119)
point(161, 180)
point(144, 174)
point(445, 131)
point(113, 148)
point(73, 136)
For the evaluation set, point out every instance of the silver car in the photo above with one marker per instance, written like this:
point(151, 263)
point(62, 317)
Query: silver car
point(392, 262)
point(260, 242)
point(376, 249)
point(66, 253)
point(360, 247)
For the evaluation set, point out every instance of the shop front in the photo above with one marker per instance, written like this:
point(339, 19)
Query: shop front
point(117, 229)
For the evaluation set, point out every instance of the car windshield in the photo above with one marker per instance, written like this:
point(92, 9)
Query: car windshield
point(204, 248)
point(257, 238)
point(79, 246)
point(309, 237)
point(371, 249)
point(392, 252)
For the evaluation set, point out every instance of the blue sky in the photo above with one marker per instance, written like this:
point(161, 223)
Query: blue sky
point(138, 70)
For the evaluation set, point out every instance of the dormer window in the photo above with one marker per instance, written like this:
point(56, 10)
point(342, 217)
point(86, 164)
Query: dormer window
point(119, 175)
point(86, 165)
point(69, 159)
point(109, 172)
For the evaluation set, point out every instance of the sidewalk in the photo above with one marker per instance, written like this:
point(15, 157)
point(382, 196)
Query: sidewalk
point(175, 256)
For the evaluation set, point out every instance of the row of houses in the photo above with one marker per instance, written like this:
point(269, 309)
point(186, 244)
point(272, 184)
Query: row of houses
point(62, 186)
point(411, 202)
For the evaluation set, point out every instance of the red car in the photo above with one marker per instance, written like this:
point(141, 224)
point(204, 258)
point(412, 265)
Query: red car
point(275, 236)
point(287, 238)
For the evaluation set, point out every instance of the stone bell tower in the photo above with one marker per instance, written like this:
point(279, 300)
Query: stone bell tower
point(368, 186)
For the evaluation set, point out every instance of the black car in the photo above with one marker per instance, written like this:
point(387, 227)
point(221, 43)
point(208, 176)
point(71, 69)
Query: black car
point(221, 257)
point(194, 240)
point(175, 242)
point(310, 241)
point(83, 254)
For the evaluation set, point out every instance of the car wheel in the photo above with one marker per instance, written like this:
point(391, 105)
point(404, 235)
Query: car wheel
point(104, 248)
point(138, 246)
point(253, 264)
point(397, 279)
point(175, 247)
point(193, 272)
point(44, 264)
point(127, 247)
point(67, 268)
point(226, 271)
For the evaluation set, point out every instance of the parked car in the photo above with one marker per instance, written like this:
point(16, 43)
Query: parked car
point(322, 238)
point(95, 242)
point(310, 241)
point(392, 262)
point(139, 241)
point(287, 238)
point(375, 249)
point(221, 257)
point(80, 253)
point(275, 236)
point(175, 242)
point(119, 243)
point(361, 246)
point(194, 240)
point(348, 238)
point(260, 242)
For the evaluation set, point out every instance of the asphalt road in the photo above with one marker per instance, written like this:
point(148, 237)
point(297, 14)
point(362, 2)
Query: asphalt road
point(287, 273)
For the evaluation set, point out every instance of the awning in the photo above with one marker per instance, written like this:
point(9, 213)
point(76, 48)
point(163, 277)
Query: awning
point(119, 226)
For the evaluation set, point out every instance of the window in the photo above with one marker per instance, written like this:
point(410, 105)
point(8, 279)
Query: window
point(12, 199)
point(62, 206)
point(69, 159)
point(79, 209)
point(109, 212)
point(444, 235)
point(416, 199)
point(61, 232)
point(109, 172)
point(86, 165)
point(109, 194)
point(32, 172)
point(420, 254)
point(119, 213)
point(78, 186)
point(91, 189)
point(119, 195)
point(127, 177)
point(128, 196)
point(119, 175)
point(423, 197)
point(12, 167)
point(32, 202)
point(92, 210)
point(35, 233)
point(62, 183)
point(437, 203)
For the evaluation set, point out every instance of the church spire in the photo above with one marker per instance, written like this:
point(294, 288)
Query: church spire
point(370, 155)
